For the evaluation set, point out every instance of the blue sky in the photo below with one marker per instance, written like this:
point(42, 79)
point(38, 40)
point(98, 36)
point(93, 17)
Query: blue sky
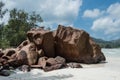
point(100, 18)
point(99, 7)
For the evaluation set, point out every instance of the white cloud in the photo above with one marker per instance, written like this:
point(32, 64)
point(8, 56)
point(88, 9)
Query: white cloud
point(109, 23)
point(92, 13)
point(52, 11)
point(5, 19)
point(114, 10)
point(9, 4)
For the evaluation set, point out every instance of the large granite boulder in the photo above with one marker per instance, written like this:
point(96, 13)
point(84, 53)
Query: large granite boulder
point(7, 55)
point(76, 45)
point(24, 43)
point(50, 50)
point(43, 39)
point(28, 54)
point(9, 51)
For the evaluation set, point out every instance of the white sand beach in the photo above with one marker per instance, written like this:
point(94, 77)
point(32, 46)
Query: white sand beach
point(103, 71)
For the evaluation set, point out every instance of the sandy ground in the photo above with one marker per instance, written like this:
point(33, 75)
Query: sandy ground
point(103, 71)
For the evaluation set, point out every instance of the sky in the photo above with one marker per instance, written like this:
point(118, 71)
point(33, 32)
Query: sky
point(100, 18)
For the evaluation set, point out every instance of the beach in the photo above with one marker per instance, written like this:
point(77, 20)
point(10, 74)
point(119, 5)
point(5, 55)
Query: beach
point(103, 71)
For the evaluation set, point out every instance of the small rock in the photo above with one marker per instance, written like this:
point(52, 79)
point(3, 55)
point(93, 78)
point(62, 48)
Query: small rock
point(4, 73)
point(42, 62)
point(50, 62)
point(25, 68)
point(74, 65)
point(53, 67)
point(60, 60)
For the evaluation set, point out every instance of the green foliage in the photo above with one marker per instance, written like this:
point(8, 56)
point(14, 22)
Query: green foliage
point(19, 23)
point(2, 12)
point(108, 44)
point(13, 33)
point(4, 43)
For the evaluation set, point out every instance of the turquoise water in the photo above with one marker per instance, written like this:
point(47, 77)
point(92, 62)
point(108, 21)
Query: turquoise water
point(111, 52)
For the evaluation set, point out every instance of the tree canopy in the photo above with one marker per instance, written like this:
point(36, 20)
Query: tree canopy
point(20, 21)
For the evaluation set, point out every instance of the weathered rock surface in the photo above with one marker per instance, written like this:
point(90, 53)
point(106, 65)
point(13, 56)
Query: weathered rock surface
point(9, 52)
point(76, 45)
point(24, 43)
point(48, 64)
point(54, 63)
point(43, 39)
point(28, 53)
point(51, 50)
point(7, 56)
point(42, 62)
point(53, 67)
